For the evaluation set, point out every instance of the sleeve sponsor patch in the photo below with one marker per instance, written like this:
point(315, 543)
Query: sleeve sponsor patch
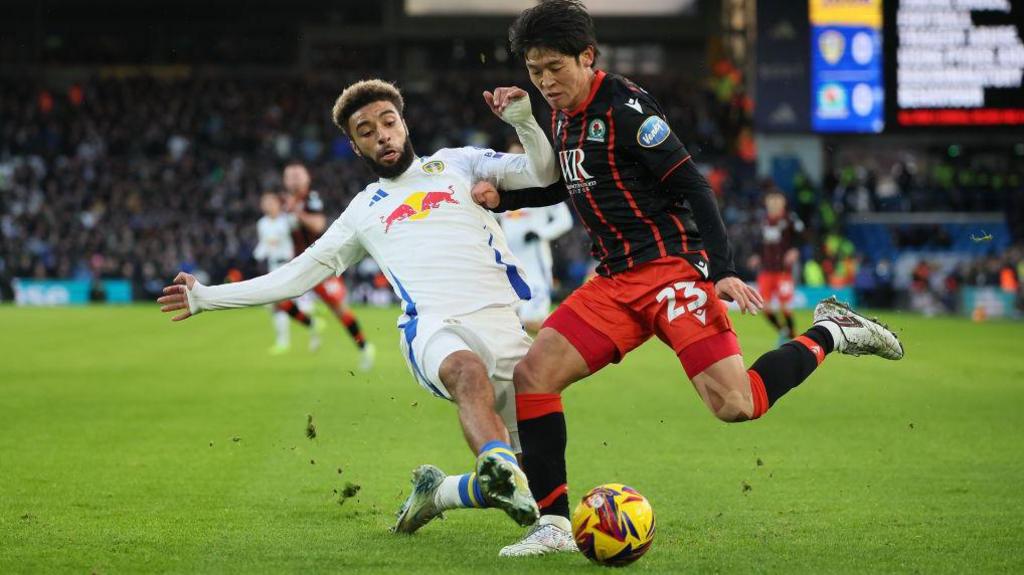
point(652, 132)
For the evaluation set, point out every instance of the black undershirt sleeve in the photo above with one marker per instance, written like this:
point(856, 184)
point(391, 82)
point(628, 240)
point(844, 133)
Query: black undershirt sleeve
point(532, 197)
point(691, 186)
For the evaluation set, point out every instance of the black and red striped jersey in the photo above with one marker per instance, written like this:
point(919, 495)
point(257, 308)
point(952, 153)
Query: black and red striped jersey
point(616, 151)
point(303, 237)
point(778, 236)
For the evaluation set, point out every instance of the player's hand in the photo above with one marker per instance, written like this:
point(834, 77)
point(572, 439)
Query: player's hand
point(734, 289)
point(175, 297)
point(792, 256)
point(502, 98)
point(485, 194)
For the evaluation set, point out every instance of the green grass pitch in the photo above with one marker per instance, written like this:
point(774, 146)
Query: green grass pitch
point(130, 444)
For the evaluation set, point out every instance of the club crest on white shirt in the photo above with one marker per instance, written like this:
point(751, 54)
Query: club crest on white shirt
point(433, 167)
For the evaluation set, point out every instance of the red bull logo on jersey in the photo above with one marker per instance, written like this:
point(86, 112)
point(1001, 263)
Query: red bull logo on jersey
point(417, 206)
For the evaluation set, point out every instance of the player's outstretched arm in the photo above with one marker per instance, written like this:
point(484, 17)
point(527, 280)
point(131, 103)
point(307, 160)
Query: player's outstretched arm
point(536, 168)
point(488, 196)
point(190, 297)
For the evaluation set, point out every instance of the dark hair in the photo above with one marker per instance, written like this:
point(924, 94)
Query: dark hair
point(362, 93)
point(564, 26)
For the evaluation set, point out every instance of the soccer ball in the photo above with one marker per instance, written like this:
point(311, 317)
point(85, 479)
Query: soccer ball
point(613, 525)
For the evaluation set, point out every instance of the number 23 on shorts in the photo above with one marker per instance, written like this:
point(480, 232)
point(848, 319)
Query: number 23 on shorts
point(684, 297)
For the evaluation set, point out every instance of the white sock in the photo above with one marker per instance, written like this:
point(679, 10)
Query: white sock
point(556, 520)
point(281, 328)
point(838, 341)
point(453, 494)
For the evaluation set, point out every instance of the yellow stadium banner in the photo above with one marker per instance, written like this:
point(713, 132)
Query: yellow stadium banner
point(846, 13)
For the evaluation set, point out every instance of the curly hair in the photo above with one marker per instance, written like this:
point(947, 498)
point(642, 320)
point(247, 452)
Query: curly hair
point(360, 94)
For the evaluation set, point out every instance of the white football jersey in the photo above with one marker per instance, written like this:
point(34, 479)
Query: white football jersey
point(442, 253)
point(275, 241)
point(530, 232)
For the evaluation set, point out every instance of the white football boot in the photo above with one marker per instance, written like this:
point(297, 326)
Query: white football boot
point(854, 334)
point(552, 534)
point(420, 507)
point(505, 486)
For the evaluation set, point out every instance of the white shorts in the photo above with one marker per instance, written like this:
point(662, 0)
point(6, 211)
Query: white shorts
point(495, 335)
point(538, 307)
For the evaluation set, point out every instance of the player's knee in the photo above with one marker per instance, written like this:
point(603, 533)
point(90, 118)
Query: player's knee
point(733, 411)
point(528, 376)
point(465, 376)
point(731, 401)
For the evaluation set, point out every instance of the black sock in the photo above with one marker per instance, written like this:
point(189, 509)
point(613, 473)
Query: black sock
point(349, 319)
point(293, 310)
point(543, 437)
point(773, 319)
point(788, 366)
point(788, 315)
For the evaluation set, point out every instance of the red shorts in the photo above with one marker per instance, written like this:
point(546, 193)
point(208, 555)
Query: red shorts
point(775, 285)
point(608, 317)
point(332, 291)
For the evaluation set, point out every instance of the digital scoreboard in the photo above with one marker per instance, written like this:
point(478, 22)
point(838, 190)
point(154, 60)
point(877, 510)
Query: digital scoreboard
point(847, 82)
point(956, 62)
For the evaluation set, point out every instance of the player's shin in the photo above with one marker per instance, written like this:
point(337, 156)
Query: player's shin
point(348, 319)
point(281, 329)
point(790, 327)
point(780, 370)
point(542, 433)
point(293, 310)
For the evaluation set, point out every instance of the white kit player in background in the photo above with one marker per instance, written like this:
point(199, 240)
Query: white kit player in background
point(530, 232)
point(447, 259)
point(275, 249)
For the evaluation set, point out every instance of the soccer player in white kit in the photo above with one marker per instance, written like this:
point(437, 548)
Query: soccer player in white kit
point(530, 232)
point(275, 249)
point(447, 259)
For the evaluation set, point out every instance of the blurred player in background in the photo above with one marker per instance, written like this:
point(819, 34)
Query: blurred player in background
point(779, 233)
point(275, 249)
point(666, 263)
point(530, 232)
point(308, 223)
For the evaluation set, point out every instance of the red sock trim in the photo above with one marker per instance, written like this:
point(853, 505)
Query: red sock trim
point(551, 497)
point(286, 305)
point(759, 394)
point(812, 346)
point(534, 405)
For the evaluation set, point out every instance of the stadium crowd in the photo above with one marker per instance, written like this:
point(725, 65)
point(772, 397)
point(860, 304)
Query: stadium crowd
point(139, 176)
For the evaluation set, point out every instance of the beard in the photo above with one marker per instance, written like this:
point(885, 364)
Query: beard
point(402, 164)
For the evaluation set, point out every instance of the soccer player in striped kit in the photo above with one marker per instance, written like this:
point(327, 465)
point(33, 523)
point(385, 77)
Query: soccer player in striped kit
point(665, 262)
point(308, 223)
